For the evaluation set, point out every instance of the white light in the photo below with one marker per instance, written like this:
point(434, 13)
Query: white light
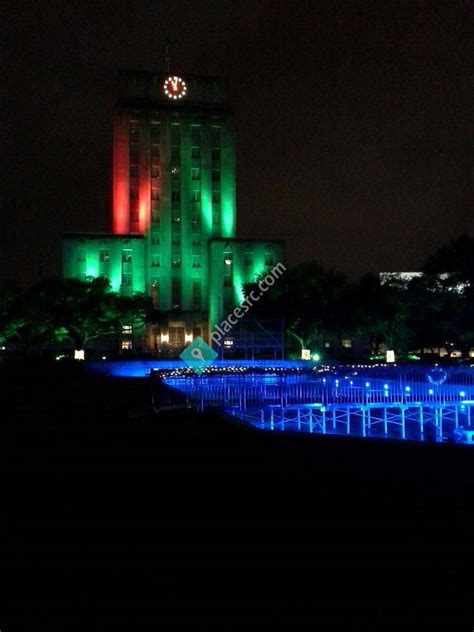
point(79, 354)
point(165, 338)
point(390, 356)
point(228, 262)
point(462, 394)
point(188, 337)
point(305, 354)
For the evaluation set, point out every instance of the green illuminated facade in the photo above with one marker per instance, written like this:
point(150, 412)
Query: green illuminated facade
point(174, 212)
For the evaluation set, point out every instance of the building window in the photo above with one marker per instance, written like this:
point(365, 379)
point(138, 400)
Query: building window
point(155, 216)
point(155, 193)
point(177, 336)
point(216, 197)
point(134, 132)
point(176, 217)
point(216, 175)
point(176, 239)
point(134, 215)
point(155, 239)
point(155, 133)
point(195, 153)
point(81, 255)
point(155, 171)
point(215, 136)
point(269, 255)
point(127, 256)
point(196, 242)
point(126, 279)
point(127, 329)
point(176, 294)
point(195, 135)
point(195, 173)
point(196, 196)
point(176, 263)
point(155, 261)
point(127, 344)
point(346, 343)
point(133, 170)
point(216, 154)
point(155, 292)
point(195, 219)
point(175, 134)
point(248, 257)
point(104, 255)
point(216, 217)
point(196, 294)
point(176, 196)
point(196, 261)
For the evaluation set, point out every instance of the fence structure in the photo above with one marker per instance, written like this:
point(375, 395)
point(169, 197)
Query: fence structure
point(428, 403)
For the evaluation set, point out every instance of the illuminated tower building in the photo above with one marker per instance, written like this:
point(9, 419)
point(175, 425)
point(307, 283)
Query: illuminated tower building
point(174, 214)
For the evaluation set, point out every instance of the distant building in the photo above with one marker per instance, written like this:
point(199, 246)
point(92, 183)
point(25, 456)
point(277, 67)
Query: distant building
point(405, 277)
point(174, 211)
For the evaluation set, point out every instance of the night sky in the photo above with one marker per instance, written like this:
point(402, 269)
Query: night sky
point(353, 120)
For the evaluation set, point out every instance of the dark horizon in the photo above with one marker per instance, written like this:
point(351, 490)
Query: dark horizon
point(352, 122)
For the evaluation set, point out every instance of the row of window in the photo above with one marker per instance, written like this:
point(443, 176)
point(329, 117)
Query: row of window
point(175, 130)
point(104, 255)
point(176, 262)
point(175, 196)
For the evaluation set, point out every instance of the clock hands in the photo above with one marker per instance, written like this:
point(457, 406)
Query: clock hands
point(174, 87)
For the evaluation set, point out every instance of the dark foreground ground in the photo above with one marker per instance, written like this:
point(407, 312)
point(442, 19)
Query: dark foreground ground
point(111, 521)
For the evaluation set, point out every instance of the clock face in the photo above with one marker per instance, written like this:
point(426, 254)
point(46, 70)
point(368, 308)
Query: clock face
point(175, 87)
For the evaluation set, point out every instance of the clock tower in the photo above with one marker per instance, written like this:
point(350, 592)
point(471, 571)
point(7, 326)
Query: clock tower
point(173, 206)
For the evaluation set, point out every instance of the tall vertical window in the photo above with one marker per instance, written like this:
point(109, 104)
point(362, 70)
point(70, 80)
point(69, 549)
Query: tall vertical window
point(195, 142)
point(215, 136)
point(155, 171)
point(248, 256)
point(269, 255)
point(175, 134)
point(155, 137)
point(126, 255)
point(216, 198)
point(155, 291)
point(175, 293)
point(134, 160)
point(197, 294)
